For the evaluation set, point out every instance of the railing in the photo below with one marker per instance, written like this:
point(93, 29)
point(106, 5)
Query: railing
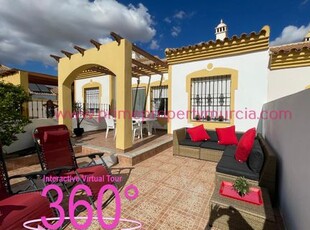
point(41, 109)
point(38, 109)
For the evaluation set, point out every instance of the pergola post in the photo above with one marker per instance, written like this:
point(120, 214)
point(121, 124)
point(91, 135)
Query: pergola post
point(65, 105)
point(124, 98)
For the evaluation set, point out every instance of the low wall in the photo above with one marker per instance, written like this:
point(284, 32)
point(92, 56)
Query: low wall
point(24, 140)
point(91, 124)
point(290, 140)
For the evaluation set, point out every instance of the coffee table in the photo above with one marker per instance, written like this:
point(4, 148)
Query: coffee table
point(229, 213)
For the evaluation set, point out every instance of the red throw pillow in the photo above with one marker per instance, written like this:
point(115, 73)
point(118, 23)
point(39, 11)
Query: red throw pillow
point(227, 136)
point(198, 133)
point(245, 145)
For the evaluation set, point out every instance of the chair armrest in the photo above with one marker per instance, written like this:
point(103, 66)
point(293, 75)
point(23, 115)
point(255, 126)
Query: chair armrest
point(32, 175)
point(60, 169)
point(119, 169)
point(91, 156)
point(40, 174)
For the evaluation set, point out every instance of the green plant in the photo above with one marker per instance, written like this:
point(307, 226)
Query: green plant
point(221, 118)
point(12, 120)
point(78, 112)
point(241, 186)
point(197, 117)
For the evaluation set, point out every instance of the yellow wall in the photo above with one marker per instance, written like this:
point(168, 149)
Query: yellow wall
point(212, 72)
point(68, 70)
point(19, 78)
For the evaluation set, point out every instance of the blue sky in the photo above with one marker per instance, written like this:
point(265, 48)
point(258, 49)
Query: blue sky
point(30, 32)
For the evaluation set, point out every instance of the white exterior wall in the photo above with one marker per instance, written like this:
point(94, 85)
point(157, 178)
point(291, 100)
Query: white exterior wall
point(25, 140)
point(289, 137)
point(104, 82)
point(252, 85)
point(285, 82)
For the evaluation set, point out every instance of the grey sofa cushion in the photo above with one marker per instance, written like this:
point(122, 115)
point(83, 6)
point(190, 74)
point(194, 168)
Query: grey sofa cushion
point(239, 135)
point(187, 136)
point(228, 165)
point(213, 135)
point(256, 158)
point(188, 142)
point(212, 145)
point(230, 151)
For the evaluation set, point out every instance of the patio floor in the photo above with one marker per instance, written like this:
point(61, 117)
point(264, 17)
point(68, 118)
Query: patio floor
point(174, 193)
point(97, 138)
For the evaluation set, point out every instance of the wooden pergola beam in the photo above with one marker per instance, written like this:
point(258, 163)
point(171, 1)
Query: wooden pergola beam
point(101, 70)
point(57, 58)
point(68, 54)
point(149, 56)
point(95, 43)
point(80, 49)
point(141, 51)
point(116, 37)
point(141, 65)
point(139, 71)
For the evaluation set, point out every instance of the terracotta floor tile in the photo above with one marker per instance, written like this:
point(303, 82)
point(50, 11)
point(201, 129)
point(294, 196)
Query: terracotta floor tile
point(174, 192)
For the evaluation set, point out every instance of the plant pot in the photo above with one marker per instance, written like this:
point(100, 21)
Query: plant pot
point(78, 131)
point(241, 194)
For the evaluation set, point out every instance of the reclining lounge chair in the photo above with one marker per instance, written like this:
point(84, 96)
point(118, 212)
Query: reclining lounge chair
point(15, 209)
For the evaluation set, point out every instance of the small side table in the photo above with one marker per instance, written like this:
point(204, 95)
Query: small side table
point(228, 213)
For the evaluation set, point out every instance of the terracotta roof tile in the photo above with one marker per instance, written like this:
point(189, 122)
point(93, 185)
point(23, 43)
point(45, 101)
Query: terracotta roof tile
point(290, 47)
point(4, 70)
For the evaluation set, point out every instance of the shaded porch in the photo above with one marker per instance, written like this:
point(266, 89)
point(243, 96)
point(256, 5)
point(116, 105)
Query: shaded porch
point(99, 61)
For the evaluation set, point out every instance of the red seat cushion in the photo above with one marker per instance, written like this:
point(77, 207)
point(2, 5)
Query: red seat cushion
point(17, 209)
point(57, 149)
point(245, 145)
point(55, 136)
point(227, 136)
point(198, 133)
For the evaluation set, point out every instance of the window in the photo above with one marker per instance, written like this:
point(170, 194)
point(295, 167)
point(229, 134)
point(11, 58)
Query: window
point(159, 102)
point(92, 100)
point(210, 98)
point(138, 101)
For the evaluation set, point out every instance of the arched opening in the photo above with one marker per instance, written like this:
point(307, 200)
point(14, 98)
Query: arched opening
point(100, 61)
point(113, 59)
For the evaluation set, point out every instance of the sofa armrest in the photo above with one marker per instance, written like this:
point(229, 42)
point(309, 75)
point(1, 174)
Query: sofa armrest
point(268, 173)
point(178, 135)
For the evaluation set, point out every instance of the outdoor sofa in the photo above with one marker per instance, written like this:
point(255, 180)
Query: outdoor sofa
point(228, 168)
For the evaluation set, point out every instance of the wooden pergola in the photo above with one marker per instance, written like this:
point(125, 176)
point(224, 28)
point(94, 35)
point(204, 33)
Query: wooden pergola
point(111, 59)
point(149, 65)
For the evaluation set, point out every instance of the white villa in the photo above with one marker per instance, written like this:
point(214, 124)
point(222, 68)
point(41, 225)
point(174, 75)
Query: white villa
point(231, 77)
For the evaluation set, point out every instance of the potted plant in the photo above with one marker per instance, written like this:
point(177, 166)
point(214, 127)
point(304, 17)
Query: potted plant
point(241, 186)
point(208, 118)
point(221, 118)
point(78, 111)
point(197, 117)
